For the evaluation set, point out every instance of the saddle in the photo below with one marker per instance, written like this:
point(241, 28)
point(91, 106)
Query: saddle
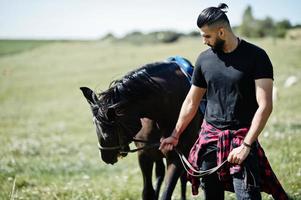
point(187, 69)
point(185, 66)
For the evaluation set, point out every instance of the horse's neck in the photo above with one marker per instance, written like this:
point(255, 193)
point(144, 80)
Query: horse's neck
point(164, 108)
point(165, 113)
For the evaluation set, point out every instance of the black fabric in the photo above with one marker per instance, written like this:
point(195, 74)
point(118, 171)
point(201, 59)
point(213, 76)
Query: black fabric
point(213, 188)
point(230, 82)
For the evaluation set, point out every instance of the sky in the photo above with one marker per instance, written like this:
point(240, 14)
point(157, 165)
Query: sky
point(92, 19)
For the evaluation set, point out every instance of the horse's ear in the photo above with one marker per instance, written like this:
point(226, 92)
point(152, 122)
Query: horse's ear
point(90, 95)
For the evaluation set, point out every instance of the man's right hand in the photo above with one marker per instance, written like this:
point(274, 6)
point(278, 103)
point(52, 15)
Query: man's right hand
point(167, 144)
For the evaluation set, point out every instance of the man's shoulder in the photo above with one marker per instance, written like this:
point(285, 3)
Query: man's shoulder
point(207, 52)
point(205, 55)
point(252, 47)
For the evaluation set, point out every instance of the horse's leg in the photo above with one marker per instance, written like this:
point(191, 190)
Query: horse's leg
point(173, 174)
point(183, 186)
point(160, 173)
point(146, 165)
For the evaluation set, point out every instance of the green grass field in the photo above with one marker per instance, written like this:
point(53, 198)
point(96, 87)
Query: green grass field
point(48, 145)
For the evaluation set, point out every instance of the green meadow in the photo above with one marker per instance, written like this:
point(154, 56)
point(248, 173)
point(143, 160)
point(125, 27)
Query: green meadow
point(48, 144)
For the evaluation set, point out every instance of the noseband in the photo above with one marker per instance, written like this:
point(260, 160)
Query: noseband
point(121, 147)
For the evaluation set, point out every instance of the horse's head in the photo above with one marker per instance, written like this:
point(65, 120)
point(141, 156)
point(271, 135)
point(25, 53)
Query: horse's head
point(115, 127)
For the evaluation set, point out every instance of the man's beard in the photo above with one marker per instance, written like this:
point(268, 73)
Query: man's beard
point(218, 45)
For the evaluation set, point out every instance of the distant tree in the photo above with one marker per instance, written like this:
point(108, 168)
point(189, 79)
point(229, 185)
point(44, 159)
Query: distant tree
point(266, 27)
point(236, 29)
point(297, 26)
point(194, 34)
point(109, 36)
point(137, 37)
point(248, 23)
point(134, 33)
point(166, 36)
point(282, 27)
point(251, 27)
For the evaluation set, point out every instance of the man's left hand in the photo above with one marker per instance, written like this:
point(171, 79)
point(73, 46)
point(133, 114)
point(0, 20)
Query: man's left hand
point(239, 154)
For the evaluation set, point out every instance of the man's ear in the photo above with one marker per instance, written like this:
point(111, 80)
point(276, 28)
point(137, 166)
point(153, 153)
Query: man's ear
point(221, 33)
point(91, 97)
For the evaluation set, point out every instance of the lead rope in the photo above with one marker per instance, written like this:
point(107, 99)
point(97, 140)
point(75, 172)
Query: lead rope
point(198, 173)
point(186, 165)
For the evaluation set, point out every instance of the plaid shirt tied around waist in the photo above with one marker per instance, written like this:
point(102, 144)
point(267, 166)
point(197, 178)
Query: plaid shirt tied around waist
point(226, 140)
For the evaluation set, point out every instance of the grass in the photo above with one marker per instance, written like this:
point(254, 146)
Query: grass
point(48, 146)
point(17, 46)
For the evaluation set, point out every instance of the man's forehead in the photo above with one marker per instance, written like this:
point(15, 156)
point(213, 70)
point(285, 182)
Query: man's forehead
point(204, 32)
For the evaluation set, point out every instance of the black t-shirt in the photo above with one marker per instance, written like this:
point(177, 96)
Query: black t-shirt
point(230, 82)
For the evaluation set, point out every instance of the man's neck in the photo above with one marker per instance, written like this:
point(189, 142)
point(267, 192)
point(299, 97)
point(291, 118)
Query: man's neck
point(231, 44)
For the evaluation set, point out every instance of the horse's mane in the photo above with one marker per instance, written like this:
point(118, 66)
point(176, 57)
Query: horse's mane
point(134, 86)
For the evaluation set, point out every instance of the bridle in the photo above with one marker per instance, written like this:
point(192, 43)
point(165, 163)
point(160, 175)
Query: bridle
point(122, 147)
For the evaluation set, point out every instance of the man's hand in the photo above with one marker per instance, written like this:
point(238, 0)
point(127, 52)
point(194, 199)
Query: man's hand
point(239, 154)
point(167, 144)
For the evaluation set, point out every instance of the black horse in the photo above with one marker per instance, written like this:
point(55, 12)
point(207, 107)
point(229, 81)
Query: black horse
point(154, 91)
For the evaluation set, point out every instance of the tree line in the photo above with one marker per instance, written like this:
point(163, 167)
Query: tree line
point(259, 28)
point(249, 27)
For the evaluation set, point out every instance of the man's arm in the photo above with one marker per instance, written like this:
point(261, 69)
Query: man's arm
point(264, 90)
point(264, 93)
point(188, 110)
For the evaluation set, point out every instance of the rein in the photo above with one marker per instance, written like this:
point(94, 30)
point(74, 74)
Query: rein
point(197, 173)
point(187, 166)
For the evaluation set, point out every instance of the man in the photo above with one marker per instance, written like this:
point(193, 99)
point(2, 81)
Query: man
point(237, 78)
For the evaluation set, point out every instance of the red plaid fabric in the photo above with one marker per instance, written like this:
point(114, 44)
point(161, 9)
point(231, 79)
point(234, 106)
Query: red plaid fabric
point(226, 140)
